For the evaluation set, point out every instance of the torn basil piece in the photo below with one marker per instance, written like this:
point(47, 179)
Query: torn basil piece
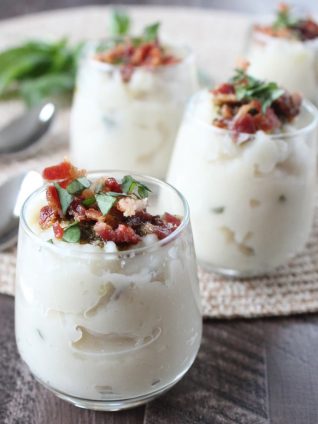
point(105, 202)
point(150, 32)
point(72, 234)
point(131, 186)
point(89, 201)
point(78, 185)
point(65, 197)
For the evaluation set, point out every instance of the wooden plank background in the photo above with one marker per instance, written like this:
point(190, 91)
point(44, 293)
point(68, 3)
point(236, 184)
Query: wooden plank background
point(247, 372)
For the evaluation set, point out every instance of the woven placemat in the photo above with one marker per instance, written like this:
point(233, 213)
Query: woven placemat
point(217, 38)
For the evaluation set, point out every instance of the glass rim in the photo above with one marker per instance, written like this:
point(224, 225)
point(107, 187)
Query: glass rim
point(306, 104)
point(120, 253)
point(104, 67)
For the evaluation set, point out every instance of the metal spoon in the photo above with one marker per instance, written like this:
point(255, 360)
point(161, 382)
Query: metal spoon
point(13, 193)
point(24, 134)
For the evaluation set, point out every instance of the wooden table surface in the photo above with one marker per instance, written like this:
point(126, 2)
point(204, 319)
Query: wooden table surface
point(261, 371)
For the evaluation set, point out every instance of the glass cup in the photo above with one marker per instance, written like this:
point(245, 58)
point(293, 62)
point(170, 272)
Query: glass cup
point(129, 125)
point(291, 63)
point(108, 330)
point(252, 199)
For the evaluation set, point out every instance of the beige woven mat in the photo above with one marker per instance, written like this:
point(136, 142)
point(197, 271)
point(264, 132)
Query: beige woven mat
point(217, 38)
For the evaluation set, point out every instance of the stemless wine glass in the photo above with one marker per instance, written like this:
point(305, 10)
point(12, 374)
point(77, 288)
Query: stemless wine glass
point(252, 197)
point(108, 330)
point(129, 124)
point(291, 63)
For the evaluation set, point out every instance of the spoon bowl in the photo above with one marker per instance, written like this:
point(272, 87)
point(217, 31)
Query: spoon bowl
point(13, 193)
point(24, 134)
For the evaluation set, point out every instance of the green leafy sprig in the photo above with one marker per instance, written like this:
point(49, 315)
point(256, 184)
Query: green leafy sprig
point(120, 25)
point(284, 19)
point(249, 88)
point(38, 70)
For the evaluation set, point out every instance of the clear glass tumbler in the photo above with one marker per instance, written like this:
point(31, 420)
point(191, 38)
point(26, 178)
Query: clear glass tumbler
point(251, 197)
point(108, 331)
point(291, 63)
point(133, 124)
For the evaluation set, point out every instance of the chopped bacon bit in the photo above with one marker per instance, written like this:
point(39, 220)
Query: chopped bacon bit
point(53, 199)
point(225, 88)
point(112, 185)
point(171, 219)
point(93, 214)
point(58, 230)
point(121, 235)
point(130, 206)
point(244, 124)
point(77, 210)
point(63, 171)
point(47, 217)
point(288, 106)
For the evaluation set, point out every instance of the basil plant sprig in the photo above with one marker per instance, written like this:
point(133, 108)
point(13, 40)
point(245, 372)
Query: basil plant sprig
point(120, 26)
point(37, 70)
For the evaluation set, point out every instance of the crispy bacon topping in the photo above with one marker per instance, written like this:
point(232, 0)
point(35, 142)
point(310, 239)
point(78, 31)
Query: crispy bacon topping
point(82, 211)
point(247, 105)
point(288, 26)
point(63, 171)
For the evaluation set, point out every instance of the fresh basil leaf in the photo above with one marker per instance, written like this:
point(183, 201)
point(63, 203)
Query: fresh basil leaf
point(131, 186)
point(89, 201)
point(120, 23)
point(105, 202)
point(65, 198)
point(72, 234)
point(50, 241)
point(150, 32)
point(285, 19)
point(115, 194)
point(78, 185)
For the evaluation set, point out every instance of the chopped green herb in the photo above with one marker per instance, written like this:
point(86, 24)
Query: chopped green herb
point(150, 32)
point(115, 194)
point(105, 202)
point(89, 201)
point(72, 234)
point(50, 241)
point(78, 185)
point(130, 186)
point(65, 197)
point(218, 210)
point(282, 198)
point(120, 23)
point(249, 88)
point(284, 19)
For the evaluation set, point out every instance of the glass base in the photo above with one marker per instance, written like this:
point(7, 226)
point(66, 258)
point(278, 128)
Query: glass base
point(111, 404)
point(234, 273)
